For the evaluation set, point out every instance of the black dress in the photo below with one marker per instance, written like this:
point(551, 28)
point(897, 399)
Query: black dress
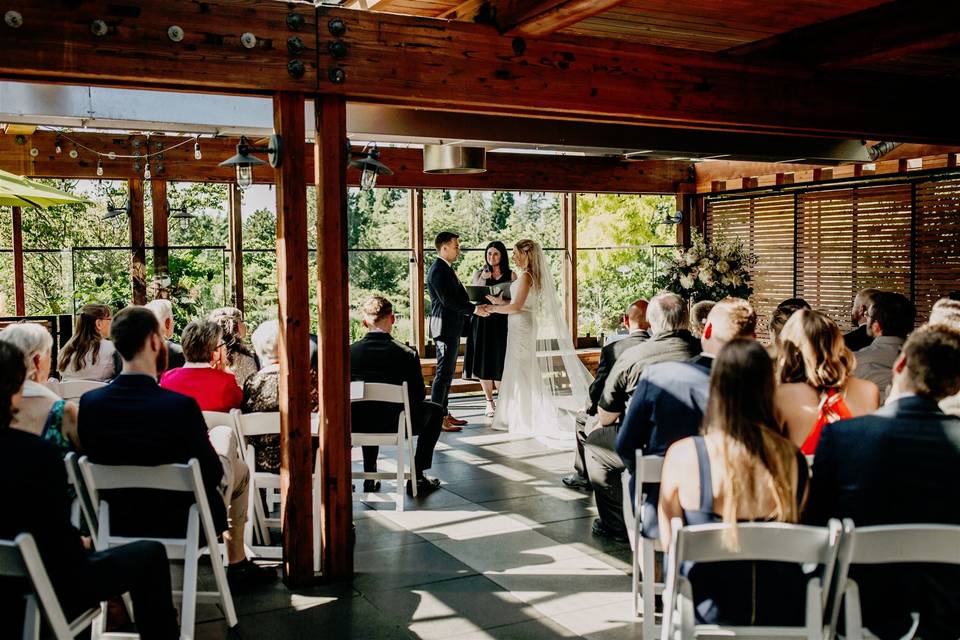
point(487, 343)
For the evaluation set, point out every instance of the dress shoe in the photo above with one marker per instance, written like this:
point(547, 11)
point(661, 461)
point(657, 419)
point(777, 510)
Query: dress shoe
point(449, 426)
point(424, 485)
point(455, 421)
point(602, 531)
point(246, 575)
point(576, 481)
point(371, 486)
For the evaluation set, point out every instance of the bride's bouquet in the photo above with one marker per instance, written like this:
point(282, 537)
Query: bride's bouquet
point(713, 272)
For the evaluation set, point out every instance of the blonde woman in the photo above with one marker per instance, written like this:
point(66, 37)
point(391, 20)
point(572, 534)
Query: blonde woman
point(544, 383)
point(817, 387)
point(740, 469)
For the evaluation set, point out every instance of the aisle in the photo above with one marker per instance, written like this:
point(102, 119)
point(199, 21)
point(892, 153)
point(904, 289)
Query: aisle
point(503, 550)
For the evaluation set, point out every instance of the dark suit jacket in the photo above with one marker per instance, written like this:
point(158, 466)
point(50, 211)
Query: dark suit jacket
point(450, 305)
point(175, 358)
point(858, 339)
point(667, 405)
point(608, 356)
point(900, 464)
point(34, 470)
point(132, 421)
point(377, 357)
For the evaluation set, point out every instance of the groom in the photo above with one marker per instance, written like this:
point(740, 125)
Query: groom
point(451, 308)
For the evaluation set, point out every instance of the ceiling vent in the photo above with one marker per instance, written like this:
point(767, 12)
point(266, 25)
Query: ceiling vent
point(448, 158)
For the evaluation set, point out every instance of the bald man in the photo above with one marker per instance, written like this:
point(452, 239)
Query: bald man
point(635, 320)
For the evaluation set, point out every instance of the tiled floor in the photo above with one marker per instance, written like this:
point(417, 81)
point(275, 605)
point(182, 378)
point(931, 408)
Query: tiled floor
point(503, 550)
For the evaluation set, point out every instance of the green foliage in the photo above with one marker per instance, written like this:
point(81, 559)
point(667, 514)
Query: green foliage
point(712, 272)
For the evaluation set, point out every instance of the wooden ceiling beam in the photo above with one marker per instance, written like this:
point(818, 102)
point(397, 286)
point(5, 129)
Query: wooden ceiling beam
point(505, 171)
point(413, 61)
point(884, 32)
point(530, 18)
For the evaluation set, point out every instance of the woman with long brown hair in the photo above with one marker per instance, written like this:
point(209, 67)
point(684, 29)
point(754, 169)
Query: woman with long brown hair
point(815, 372)
point(740, 469)
point(240, 361)
point(89, 354)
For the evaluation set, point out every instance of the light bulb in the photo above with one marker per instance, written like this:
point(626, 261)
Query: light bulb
point(99, 167)
point(184, 224)
point(196, 151)
point(146, 171)
point(369, 179)
point(59, 150)
point(244, 175)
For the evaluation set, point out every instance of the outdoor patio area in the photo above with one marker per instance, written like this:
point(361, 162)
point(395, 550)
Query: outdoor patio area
point(503, 550)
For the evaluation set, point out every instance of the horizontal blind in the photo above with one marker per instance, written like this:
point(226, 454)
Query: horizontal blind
point(850, 239)
point(937, 243)
point(766, 227)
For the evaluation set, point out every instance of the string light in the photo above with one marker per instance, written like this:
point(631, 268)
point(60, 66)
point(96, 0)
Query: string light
point(57, 146)
point(146, 171)
point(99, 167)
point(196, 150)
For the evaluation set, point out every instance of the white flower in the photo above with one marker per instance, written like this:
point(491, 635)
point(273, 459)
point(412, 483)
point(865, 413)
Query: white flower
point(737, 280)
point(691, 259)
point(723, 267)
point(705, 277)
point(686, 282)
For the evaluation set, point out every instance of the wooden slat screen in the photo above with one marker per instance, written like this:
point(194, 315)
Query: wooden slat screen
point(937, 243)
point(766, 226)
point(849, 239)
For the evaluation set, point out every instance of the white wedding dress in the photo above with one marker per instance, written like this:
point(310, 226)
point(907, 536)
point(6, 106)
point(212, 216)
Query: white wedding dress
point(544, 382)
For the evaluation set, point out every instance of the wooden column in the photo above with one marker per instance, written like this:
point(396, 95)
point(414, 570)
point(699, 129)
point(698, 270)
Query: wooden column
point(19, 292)
point(333, 339)
point(296, 470)
point(416, 270)
point(138, 241)
point(236, 245)
point(686, 205)
point(161, 239)
point(568, 207)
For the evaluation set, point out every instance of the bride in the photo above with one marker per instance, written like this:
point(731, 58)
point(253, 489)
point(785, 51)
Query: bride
point(544, 383)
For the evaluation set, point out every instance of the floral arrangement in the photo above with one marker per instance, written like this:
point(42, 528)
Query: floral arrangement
point(712, 272)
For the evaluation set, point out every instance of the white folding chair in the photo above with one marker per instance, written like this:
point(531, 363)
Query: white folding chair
point(258, 424)
point(402, 438)
point(770, 541)
point(645, 587)
point(169, 477)
point(887, 544)
point(73, 389)
point(20, 558)
point(219, 419)
point(82, 504)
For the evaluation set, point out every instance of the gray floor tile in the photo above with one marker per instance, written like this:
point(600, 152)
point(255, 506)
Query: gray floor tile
point(452, 607)
point(576, 532)
point(512, 550)
point(378, 532)
point(496, 488)
point(412, 564)
point(547, 508)
point(607, 622)
point(539, 629)
point(434, 500)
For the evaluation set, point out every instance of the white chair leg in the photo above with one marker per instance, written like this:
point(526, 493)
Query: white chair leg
point(31, 619)
point(648, 578)
point(188, 603)
point(635, 586)
point(400, 467)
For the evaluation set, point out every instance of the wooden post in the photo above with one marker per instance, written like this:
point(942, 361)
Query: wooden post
point(568, 206)
point(333, 340)
point(417, 270)
point(161, 241)
point(296, 470)
point(236, 245)
point(138, 241)
point(19, 292)
point(686, 204)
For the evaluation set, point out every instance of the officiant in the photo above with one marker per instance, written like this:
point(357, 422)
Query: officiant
point(487, 340)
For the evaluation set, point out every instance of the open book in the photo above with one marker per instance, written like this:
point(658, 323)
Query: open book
point(478, 295)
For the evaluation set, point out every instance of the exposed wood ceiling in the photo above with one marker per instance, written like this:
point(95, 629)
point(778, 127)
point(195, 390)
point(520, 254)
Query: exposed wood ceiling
point(909, 37)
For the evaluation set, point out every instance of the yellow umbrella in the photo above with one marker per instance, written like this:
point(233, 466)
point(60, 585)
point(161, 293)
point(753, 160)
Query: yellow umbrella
point(18, 191)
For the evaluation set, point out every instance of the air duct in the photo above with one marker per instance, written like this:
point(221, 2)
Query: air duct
point(448, 158)
point(881, 149)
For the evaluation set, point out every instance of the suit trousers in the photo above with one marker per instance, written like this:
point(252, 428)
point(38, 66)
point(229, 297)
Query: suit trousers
point(235, 483)
point(447, 351)
point(140, 568)
point(426, 424)
point(604, 469)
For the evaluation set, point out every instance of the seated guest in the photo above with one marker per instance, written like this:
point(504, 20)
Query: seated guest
point(636, 315)
point(377, 357)
point(779, 318)
point(163, 309)
point(635, 320)
point(816, 381)
point(889, 320)
point(860, 337)
point(240, 361)
point(80, 579)
point(262, 393)
point(900, 465)
point(740, 469)
point(946, 311)
point(42, 412)
point(670, 340)
point(89, 355)
point(202, 376)
point(698, 317)
point(134, 421)
point(671, 397)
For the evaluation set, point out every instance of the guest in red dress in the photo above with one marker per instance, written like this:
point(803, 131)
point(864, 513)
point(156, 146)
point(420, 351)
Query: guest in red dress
point(203, 377)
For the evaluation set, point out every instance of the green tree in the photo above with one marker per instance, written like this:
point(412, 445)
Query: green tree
point(501, 209)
